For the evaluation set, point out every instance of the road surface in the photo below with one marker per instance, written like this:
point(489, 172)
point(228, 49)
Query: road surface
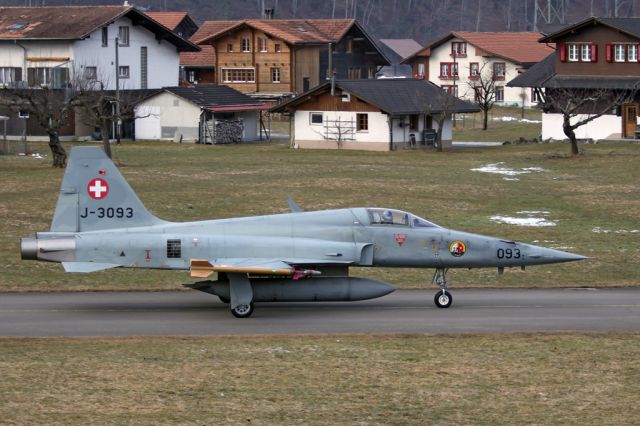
point(404, 311)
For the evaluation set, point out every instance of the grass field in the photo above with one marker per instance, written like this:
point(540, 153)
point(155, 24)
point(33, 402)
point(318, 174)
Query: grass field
point(594, 199)
point(586, 379)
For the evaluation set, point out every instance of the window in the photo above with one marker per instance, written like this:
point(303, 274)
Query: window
point(191, 76)
point(585, 52)
point(448, 70)
point(143, 67)
point(458, 49)
point(238, 75)
point(498, 70)
point(390, 217)
point(632, 53)
point(573, 52)
point(105, 36)
point(123, 36)
point(450, 89)
point(90, 73)
point(414, 121)
point(535, 95)
point(362, 122)
point(56, 78)
point(315, 118)
point(123, 71)
point(474, 70)
point(229, 47)
point(277, 47)
point(421, 69)
point(275, 75)
point(262, 44)
point(245, 45)
point(354, 73)
point(174, 249)
point(9, 75)
point(619, 52)
point(499, 93)
point(349, 47)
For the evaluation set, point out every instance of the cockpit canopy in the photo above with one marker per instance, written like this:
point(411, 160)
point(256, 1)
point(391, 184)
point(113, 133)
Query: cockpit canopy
point(397, 218)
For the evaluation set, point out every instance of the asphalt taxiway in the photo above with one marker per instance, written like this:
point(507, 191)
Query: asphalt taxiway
point(192, 313)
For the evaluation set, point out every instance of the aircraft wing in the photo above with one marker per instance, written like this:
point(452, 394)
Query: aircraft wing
point(203, 268)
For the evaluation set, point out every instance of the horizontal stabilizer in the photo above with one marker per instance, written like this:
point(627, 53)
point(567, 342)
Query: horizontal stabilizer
point(85, 267)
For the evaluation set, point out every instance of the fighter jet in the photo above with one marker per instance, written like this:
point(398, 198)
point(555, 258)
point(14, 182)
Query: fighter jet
point(99, 223)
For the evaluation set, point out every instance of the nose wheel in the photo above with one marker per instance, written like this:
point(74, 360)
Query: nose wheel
point(443, 298)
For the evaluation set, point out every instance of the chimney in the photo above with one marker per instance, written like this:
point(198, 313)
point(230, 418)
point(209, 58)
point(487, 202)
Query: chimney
point(126, 3)
point(268, 13)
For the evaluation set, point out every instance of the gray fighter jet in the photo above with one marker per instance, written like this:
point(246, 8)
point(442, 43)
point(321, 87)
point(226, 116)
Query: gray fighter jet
point(99, 223)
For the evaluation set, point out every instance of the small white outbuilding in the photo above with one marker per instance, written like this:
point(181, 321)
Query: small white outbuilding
point(202, 114)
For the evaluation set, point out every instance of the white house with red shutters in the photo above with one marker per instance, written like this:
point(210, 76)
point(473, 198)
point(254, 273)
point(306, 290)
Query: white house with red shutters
point(457, 61)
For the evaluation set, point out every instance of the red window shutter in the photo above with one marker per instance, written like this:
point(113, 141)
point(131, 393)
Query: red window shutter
point(563, 52)
point(609, 52)
point(594, 53)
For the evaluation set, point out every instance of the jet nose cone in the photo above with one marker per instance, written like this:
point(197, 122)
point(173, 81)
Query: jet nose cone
point(545, 255)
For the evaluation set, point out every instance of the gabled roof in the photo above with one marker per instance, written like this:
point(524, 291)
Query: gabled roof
point(517, 47)
point(293, 31)
point(629, 26)
point(543, 75)
point(170, 20)
point(216, 98)
point(204, 59)
point(76, 23)
point(401, 46)
point(394, 97)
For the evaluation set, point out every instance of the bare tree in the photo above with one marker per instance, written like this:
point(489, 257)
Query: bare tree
point(50, 107)
point(439, 108)
point(581, 106)
point(338, 130)
point(483, 86)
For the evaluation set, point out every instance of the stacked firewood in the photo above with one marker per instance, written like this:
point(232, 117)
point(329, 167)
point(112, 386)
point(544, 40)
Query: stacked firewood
point(228, 131)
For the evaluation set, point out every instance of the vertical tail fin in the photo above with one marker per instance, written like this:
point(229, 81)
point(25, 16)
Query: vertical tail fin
point(95, 196)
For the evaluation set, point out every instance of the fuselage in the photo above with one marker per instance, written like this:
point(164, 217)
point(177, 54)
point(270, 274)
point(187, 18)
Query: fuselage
point(349, 237)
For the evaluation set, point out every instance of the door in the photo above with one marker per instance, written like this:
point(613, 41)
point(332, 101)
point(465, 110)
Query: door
point(629, 120)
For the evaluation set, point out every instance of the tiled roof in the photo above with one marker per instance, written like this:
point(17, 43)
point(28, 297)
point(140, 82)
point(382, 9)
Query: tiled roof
point(519, 47)
point(393, 96)
point(169, 19)
point(75, 22)
point(205, 58)
point(212, 95)
point(293, 31)
point(56, 22)
point(630, 26)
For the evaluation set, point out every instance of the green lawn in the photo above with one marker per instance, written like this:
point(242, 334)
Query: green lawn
point(504, 379)
point(594, 200)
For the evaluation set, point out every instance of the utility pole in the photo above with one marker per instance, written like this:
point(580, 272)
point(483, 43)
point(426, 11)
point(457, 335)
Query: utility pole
point(118, 120)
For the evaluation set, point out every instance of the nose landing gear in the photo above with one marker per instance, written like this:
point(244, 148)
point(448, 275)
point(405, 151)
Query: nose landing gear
point(443, 298)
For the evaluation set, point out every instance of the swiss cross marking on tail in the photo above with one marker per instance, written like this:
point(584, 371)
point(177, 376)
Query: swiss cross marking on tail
point(400, 238)
point(98, 189)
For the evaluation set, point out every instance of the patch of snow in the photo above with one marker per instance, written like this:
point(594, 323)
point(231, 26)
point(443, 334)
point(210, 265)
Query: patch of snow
point(530, 212)
point(521, 120)
point(599, 230)
point(523, 221)
point(37, 156)
point(497, 168)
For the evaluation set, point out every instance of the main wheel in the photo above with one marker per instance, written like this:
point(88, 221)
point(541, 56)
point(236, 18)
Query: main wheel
point(443, 299)
point(242, 311)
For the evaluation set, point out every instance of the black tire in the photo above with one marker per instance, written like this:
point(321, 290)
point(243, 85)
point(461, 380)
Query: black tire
point(443, 299)
point(242, 311)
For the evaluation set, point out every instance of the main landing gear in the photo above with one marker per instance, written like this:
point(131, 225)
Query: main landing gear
point(242, 311)
point(443, 298)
